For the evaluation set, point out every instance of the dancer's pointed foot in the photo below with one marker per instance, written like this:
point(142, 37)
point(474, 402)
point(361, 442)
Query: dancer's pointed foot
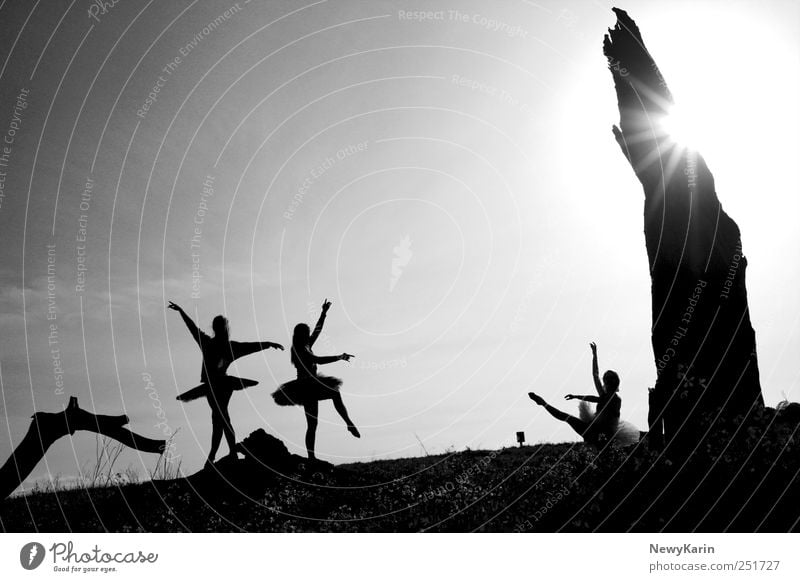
point(354, 431)
point(536, 398)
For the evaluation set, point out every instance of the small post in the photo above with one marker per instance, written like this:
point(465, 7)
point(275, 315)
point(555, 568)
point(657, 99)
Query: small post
point(521, 438)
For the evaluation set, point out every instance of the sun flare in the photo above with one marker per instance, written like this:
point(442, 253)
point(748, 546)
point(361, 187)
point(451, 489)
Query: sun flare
point(686, 127)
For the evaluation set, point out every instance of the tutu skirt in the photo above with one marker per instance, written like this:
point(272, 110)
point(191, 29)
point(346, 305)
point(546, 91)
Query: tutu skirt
point(308, 389)
point(623, 434)
point(231, 383)
point(627, 434)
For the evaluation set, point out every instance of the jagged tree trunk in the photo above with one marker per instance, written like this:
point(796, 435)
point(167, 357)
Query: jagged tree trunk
point(46, 428)
point(703, 343)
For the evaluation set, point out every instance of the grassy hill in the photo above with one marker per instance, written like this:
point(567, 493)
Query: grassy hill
point(745, 479)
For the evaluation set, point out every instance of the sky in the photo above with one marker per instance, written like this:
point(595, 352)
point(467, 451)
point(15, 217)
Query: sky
point(447, 178)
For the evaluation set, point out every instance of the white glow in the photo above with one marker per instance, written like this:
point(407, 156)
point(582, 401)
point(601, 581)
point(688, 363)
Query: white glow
point(734, 104)
point(687, 128)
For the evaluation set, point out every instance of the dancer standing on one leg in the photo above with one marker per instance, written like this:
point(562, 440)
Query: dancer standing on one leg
point(217, 386)
point(604, 423)
point(310, 387)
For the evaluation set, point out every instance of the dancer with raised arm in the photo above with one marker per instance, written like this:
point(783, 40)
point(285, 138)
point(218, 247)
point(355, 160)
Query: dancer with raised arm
point(602, 424)
point(310, 387)
point(217, 386)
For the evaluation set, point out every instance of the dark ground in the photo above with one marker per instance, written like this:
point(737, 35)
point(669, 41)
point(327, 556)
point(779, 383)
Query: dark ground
point(745, 478)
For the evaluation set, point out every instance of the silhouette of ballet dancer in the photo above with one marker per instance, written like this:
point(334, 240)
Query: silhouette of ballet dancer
point(217, 386)
point(604, 424)
point(310, 387)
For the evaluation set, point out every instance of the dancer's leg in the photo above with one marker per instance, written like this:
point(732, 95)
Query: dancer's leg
point(312, 409)
point(230, 435)
point(576, 423)
point(223, 400)
point(216, 435)
point(338, 404)
point(218, 399)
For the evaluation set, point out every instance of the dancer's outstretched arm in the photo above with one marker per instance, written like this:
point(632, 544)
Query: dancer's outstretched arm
point(196, 332)
point(326, 305)
point(240, 349)
point(587, 398)
point(596, 370)
point(331, 359)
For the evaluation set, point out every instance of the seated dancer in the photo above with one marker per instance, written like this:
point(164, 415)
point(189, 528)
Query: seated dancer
point(310, 387)
point(600, 426)
point(217, 386)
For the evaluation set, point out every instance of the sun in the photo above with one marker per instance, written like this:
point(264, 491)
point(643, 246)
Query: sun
point(732, 104)
point(686, 127)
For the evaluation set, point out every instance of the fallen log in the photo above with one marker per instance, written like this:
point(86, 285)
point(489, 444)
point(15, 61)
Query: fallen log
point(47, 427)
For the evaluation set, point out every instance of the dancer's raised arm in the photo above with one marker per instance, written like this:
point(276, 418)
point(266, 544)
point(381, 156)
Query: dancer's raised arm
point(596, 370)
point(196, 332)
point(326, 305)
